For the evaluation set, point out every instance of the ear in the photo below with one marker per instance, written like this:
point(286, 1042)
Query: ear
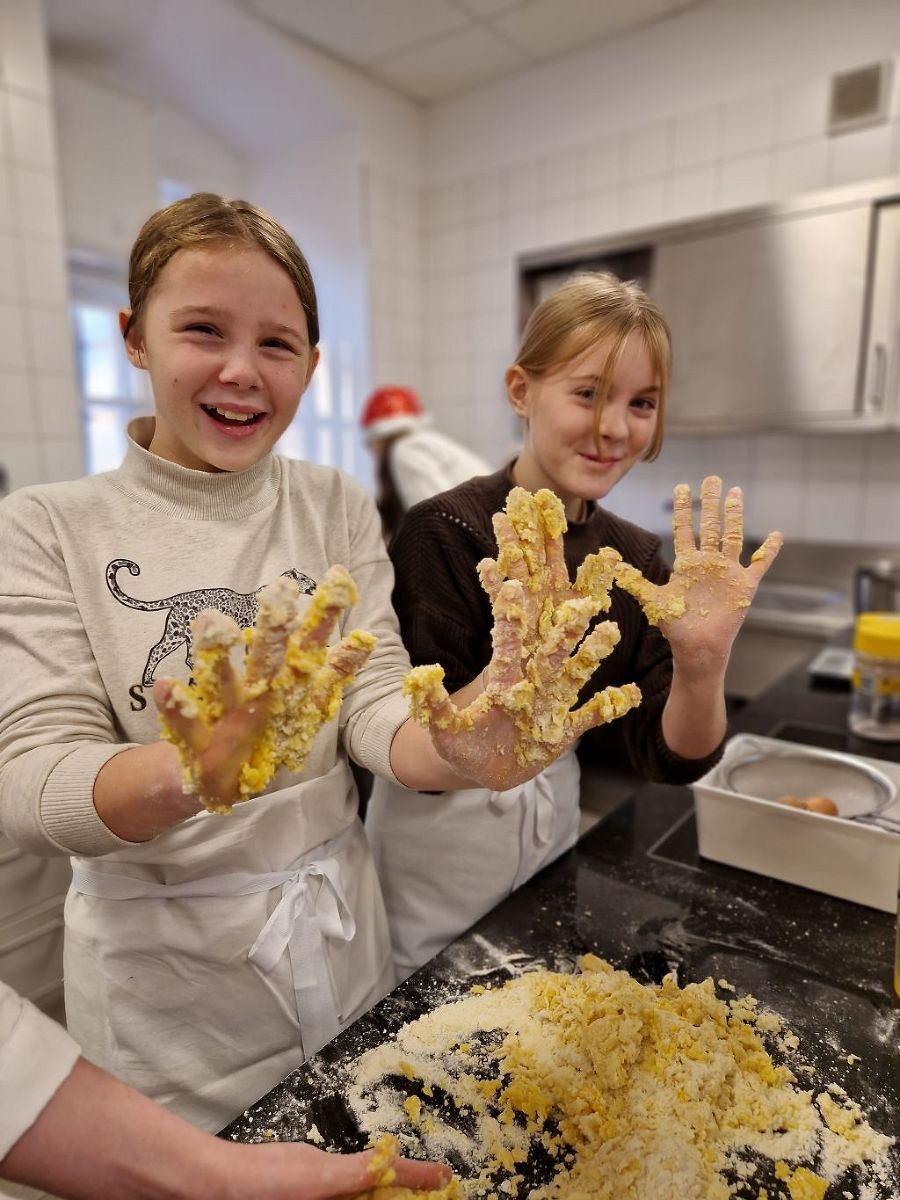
point(313, 363)
point(133, 346)
point(518, 388)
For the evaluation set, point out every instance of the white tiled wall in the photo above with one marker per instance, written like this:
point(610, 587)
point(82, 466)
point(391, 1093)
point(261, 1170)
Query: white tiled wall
point(41, 435)
point(754, 149)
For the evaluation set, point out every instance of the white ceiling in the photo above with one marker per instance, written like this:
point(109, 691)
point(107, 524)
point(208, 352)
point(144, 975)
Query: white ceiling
point(430, 50)
point(425, 50)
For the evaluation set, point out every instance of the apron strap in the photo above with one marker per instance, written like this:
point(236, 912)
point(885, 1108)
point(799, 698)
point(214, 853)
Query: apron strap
point(313, 907)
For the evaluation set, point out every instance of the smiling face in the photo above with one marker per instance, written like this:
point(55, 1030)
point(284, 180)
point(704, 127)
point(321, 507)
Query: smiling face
point(560, 450)
point(224, 338)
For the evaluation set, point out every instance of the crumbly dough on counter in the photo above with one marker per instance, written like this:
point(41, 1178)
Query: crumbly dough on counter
point(634, 1091)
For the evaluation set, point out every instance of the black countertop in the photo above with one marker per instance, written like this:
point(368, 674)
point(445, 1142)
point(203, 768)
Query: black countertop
point(635, 891)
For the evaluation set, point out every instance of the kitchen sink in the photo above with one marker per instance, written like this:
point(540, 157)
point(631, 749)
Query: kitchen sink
point(796, 597)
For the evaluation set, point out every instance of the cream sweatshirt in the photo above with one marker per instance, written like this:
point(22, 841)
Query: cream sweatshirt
point(99, 580)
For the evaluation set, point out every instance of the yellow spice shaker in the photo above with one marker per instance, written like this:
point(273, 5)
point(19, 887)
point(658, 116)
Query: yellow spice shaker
point(875, 697)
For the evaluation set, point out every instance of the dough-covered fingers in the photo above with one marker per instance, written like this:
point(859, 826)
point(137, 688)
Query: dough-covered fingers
point(710, 518)
point(490, 577)
point(765, 555)
point(214, 637)
point(682, 520)
point(605, 706)
point(335, 593)
point(508, 635)
point(430, 703)
point(548, 662)
point(553, 521)
point(733, 528)
point(596, 574)
point(511, 562)
point(342, 664)
point(597, 646)
point(179, 715)
point(527, 518)
point(276, 620)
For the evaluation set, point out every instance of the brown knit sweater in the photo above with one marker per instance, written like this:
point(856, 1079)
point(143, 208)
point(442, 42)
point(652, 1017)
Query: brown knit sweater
point(445, 615)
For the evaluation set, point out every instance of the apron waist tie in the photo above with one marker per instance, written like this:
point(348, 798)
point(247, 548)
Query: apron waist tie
point(313, 907)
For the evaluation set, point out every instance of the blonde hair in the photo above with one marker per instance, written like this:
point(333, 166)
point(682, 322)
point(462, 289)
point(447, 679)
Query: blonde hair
point(206, 219)
point(593, 307)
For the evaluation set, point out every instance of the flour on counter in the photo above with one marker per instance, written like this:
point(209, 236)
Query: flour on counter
point(572, 1085)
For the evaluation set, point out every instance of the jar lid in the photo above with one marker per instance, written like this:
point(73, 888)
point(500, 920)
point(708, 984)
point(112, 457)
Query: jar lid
point(878, 634)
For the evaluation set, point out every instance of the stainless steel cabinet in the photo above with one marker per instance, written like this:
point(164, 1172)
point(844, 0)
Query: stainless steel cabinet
point(880, 384)
point(767, 314)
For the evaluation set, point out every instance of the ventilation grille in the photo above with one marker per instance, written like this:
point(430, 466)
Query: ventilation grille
point(860, 97)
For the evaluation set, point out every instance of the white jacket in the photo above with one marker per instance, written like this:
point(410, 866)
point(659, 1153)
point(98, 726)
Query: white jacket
point(424, 462)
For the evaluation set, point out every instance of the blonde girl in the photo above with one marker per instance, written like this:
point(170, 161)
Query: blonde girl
point(590, 382)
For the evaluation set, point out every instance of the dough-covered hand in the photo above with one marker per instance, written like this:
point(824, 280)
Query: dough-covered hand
point(701, 608)
point(239, 723)
point(292, 1171)
point(390, 1177)
point(543, 654)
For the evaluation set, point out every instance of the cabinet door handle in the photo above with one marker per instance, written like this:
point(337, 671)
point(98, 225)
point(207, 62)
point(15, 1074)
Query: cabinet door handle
point(875, 398)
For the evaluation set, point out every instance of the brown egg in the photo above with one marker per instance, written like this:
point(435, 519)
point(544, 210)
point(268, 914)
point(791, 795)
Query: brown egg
point(792, 801)
point(821, 804)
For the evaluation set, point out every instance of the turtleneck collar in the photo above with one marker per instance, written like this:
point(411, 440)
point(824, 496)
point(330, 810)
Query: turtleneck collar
point(177, 491)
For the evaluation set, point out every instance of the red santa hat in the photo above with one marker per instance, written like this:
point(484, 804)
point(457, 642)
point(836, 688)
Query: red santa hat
point(390, 410)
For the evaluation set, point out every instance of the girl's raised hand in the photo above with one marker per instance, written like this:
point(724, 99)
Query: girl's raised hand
point(543, 654)
point(701, 608)
point(240, 722)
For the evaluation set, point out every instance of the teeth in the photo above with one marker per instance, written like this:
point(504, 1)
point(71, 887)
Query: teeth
point(234, 416)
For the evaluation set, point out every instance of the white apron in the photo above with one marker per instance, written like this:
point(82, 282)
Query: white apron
point(203, 983)
point(445, 860)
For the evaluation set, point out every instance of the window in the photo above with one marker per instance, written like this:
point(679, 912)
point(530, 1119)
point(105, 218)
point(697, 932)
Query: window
point(112, 392)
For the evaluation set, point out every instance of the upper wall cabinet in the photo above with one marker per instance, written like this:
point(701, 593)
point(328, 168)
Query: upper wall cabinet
point(767, 319)
point(782, 317)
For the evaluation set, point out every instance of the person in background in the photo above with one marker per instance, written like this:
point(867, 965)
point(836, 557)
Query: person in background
point(71, 1128)
point(412, 460)
point(589, 381)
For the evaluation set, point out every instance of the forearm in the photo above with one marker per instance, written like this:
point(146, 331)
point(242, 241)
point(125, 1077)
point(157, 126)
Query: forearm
point(98, 1138)
point(694, 718)
point(139, 793)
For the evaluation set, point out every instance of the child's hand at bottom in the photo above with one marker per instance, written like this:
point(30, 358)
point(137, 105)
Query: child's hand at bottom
point(300, 1172)
point(239, 723)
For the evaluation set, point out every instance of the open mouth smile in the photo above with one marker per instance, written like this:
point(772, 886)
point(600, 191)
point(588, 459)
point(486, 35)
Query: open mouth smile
point(232, 419)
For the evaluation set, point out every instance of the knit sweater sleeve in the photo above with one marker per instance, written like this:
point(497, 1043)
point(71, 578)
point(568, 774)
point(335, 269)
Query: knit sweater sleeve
point(444, 614)
point(373, 706)
point(56, 725)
